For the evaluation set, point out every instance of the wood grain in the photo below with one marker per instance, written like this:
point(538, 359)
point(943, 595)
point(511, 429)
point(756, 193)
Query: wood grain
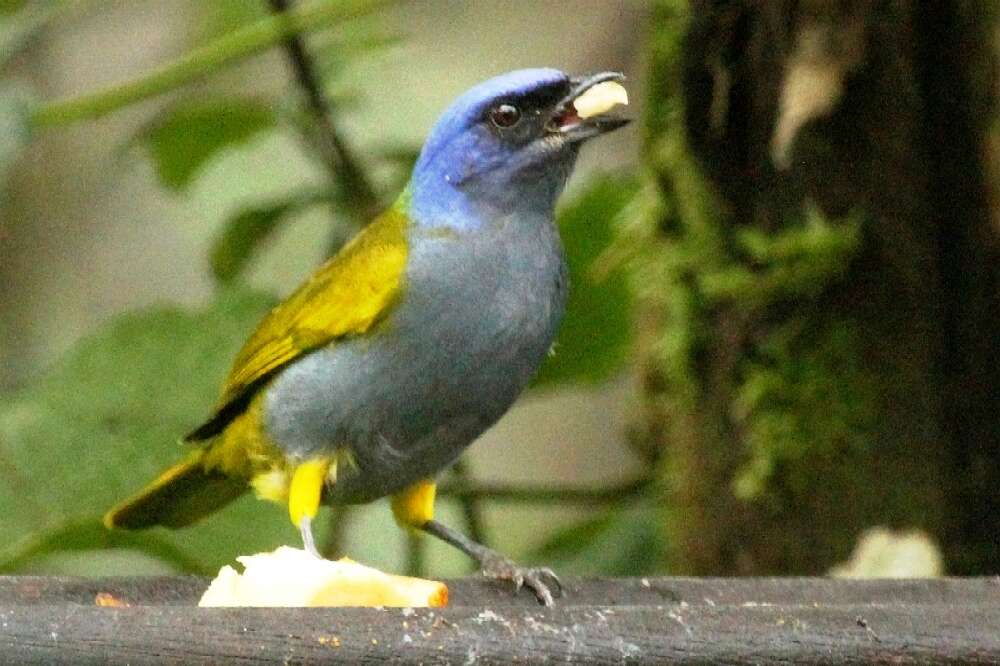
point(654, 620)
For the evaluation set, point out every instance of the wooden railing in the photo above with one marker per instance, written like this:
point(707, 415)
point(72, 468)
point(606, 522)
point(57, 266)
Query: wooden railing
point(647, 620)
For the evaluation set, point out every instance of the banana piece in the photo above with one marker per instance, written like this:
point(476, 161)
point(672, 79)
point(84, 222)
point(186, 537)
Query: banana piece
point(600, 99)
point(290, 577)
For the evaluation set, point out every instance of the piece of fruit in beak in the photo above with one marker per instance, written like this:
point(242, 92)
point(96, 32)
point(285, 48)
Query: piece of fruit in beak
point(599, 99)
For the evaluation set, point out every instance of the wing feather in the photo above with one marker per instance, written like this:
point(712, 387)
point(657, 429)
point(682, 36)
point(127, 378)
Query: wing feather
point(346, 296)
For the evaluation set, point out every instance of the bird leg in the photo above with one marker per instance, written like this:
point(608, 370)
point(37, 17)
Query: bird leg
point(413, 507)
point(304, 495)
point(308, 542)
point(540, 580)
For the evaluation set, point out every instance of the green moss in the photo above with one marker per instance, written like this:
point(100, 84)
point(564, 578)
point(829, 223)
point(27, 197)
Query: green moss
point(804, 394)
point(800, 260)
point(677, 235)
point(754, 373)
point(693, 262)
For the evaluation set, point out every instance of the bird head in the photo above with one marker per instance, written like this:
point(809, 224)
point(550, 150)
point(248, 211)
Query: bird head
point(508, 144)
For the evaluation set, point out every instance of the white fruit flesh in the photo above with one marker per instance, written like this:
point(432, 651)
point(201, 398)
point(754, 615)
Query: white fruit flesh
point(600, 99)
point(290, 577)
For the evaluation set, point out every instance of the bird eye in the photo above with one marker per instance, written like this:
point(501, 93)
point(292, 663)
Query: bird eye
point(505, 115)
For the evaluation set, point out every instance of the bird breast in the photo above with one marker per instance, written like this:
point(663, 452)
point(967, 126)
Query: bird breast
point(483, 307)
point(477, 315)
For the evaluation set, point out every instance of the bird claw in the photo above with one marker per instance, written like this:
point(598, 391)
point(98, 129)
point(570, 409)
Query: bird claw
point(542, 581)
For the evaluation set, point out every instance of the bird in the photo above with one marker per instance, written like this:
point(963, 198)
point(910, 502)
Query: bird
point(415, 338)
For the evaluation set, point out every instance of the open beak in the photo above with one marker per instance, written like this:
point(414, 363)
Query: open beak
point(584, 112)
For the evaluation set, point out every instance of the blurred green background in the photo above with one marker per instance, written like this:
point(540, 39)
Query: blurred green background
point(146, 210)
point(780, 351)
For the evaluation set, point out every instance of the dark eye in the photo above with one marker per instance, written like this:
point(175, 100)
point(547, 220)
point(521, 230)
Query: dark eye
point(505, 115)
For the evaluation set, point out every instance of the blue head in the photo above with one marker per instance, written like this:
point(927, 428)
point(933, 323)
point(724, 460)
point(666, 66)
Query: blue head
point(506, 145)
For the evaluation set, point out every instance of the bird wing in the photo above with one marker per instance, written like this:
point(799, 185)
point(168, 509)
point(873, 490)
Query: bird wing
point(345, 296)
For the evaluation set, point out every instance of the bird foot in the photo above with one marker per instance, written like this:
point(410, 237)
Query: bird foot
point(540, 580)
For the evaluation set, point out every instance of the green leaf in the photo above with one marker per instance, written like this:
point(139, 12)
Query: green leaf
point(595, 332)
point(107, 419)
point(244, 233)
point(183, 138)
point(220, 17)
point(620, 542)
point(365, 38)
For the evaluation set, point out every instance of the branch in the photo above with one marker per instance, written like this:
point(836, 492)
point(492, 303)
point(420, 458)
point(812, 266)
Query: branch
point(236, 45)
point(416, 550)
point(546, 494)
point(471, 508)
point(340, 160)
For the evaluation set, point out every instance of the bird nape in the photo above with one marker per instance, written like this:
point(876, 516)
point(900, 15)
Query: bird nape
point(397, 353)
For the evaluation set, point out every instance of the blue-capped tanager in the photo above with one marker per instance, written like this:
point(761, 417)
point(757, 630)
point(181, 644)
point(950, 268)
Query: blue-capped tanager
point(414, 339)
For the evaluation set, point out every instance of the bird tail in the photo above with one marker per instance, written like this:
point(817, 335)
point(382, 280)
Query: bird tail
point(182, 495)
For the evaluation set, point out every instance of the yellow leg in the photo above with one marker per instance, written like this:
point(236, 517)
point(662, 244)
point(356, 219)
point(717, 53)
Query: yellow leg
point(305, 494)
point(414, 506)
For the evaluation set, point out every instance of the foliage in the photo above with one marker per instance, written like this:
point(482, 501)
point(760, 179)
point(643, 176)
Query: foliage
point(240, 43)
point(244, 233)
point(183, 137)
point(107, 419)
point(594, 335)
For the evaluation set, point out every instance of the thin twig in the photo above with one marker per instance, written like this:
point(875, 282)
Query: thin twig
point(236, 45)
point(546, 494)
point(471, 507)
point(337, 155)
point(416, 549)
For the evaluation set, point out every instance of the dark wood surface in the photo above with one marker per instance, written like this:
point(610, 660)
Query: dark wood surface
point(654, 620)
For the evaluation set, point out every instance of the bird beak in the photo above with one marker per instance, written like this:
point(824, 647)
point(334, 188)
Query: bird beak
point(583, 113)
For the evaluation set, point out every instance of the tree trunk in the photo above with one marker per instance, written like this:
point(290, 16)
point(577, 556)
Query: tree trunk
point(819, 280)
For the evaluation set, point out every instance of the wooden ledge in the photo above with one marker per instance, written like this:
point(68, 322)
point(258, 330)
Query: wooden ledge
point(646, 620)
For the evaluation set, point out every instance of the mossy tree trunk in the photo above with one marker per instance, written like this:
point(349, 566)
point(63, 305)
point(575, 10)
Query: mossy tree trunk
point(819, 280)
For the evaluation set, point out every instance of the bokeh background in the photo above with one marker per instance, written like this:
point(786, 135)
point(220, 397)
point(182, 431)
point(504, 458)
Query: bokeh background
point(792, 207)
point(92, 230)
